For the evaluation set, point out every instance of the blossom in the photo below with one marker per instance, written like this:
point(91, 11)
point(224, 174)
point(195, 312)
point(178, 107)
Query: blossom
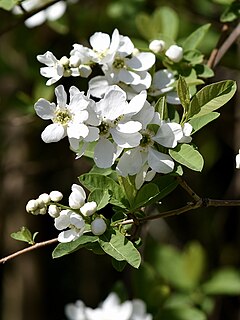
point(111, 308)
point(174, 53)
point(71, 221)
point(77, 197)
point(162, 84)
point(68, 119)
point(115, 114)
point(51, 13)
point(156, 45)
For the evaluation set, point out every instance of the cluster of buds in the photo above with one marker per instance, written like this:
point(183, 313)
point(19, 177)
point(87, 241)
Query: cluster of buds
point(174, 52)
point(70, 220)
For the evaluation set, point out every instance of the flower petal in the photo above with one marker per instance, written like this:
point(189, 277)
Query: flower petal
point(104, 153)
point(53, 133)
point(160, 162)
point(45, 109)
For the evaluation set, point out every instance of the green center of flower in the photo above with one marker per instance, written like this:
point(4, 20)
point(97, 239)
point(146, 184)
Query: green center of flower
point(62, 117)
point(146, 140)
point(118, 63)
point(104, 129)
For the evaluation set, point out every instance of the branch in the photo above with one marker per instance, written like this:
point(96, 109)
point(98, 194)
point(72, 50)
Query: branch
point(223, 45)
point(33, 247)
point(25, 16)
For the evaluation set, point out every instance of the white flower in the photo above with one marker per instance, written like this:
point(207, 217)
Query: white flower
point(89, 208)
point(68, 119)
point(98, 226)
point(238, 160)
point(162, 84)
point(77, 197)
point(54, 69)
point(115, 114)
point(52, 13)
point(56, 196)
point(71, 221)
point(80, 61)
point(168, 134)
point(75, 311)
point(111, 309)
point(139, 311)
point(157, 45)
point(174, 53)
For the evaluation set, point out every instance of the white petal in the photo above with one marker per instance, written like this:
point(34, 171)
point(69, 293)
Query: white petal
point(129, 127)
point(63, 220)
point(126, 140)
point(55, 11)
point(93, 134)
point(61, 96)
point(77, 130)
point(53, 133)
point(142, 62)
point(137, 103)
point(160, 162)
point(77, 221)
point(100, 41)
point(47, 58)
point(98, 86)
point(36, 19)
point(130, 163)
point(173, 98)
point(128, 77)
point(45, 109)
point(68, 236)
point(104, 153)
point(168, 134)
point(126, 46)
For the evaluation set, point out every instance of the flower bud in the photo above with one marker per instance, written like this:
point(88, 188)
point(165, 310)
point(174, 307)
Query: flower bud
point(74, 61)
point(157, 45)
point(174, 53)
point(238, 160)
point(45, 198)
point(88, 208)
point(98, 226)
point(43, 210)
point(56, 196)
point(64, 61)
point(31, 206)
point(53, 211)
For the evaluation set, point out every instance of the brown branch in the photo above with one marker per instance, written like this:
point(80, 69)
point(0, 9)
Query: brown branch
point(33, 247)
point(223, 44)
point(25, 16)
point(188, 189)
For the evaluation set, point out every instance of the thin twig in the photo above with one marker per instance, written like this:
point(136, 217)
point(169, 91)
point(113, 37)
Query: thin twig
point(33, 247)
point(188, 189)
point(25, 16)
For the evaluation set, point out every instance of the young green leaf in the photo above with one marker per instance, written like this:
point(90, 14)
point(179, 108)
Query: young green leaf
point(182, 313)
point(65, 248)
point(187, 155)
point(199, 122)
point(100, 196)
point(145, 195)
point(161, 108)
point(195, 38)
point(129, 188)
point(119, 247)
point(161, 18)
point(211, 98)
point(8, 4)
point(183, 93)
point(24, 235)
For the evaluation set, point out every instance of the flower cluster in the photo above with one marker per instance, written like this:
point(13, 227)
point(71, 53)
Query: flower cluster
point(115, 115)
point(72, 221)
point(111, 308)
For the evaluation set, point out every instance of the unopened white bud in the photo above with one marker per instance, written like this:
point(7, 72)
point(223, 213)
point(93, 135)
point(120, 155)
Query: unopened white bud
point(157, 45)
point(135, 52)
point(56, 196)
point(31, 206)
point(174, 53)
point(45, 198)
point(89, 208)
point(74, 61)
point(43, 210)
point(98, 226)
point(238, 160)
point(64, 61)
point(53, 211)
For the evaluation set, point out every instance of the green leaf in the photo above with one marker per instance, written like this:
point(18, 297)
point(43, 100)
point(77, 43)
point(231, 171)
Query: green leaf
point(129, 188)
point(203, 71)
point(195, 38)
point(94, 181)
point(104, 172)
point(188, 156)
point(161, 108)
point(225, 281)
point(231, 13)
point(8, 4)
point(145, 195)
point(199, 122)
point(119, 247)
point(24, 235)
point(145, 26)
point(100, 196)
point(211, 98)
point(183, 93)
point(182, 313)
point(66, 248)
point(193, 56)
point(161, 18)
point(194, 260)
point(166, 184)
